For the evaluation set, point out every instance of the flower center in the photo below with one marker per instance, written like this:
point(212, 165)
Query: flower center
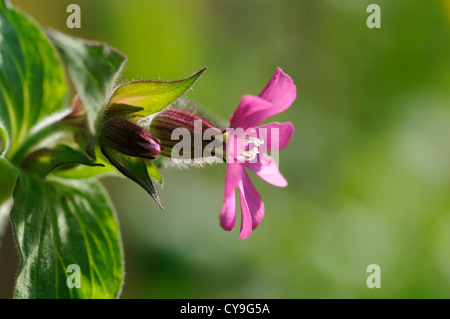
point(249, 154)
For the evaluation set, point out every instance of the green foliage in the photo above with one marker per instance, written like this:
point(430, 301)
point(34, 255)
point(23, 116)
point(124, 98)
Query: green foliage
point(153, 171)
point(32, 83)
point(149, 97)
point(60, 223)
point(8, 180)
point(102, 168)
point(45, 160)
point(57, 222)
point(50, 161)
point(133, 168)
point(2, 140)
point(93, 68)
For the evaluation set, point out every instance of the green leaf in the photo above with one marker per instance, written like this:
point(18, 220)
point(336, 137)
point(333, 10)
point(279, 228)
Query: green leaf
point(43, 161)
point(93, 68)
point(86, 172)
point(32, 82)
point(154, 172)
point(2, 140)
point(58, 223)
point(149, 97)
point(105, 168)
point(133, 168)
point(8, 176)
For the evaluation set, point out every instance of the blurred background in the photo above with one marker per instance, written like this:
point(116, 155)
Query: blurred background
point(368, 167)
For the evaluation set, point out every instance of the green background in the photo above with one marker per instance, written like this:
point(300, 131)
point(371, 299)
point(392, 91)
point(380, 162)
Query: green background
point(368, 167)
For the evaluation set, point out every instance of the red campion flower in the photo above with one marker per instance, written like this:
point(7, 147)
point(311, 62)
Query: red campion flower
point(248, 151)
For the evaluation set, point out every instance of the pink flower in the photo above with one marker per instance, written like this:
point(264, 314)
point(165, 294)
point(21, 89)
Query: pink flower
point(248, 150)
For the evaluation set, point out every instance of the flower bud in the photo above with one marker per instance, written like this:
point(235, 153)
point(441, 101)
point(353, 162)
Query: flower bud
point(173, 127)
point(129, 138)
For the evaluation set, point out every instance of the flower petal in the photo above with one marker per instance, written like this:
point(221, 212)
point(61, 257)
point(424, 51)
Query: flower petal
point(280, 91)
point(254, 201)
point(246, 220)
point(252, 206)
point(228, 212)
point(267, 169)
point(276, 135)
point(276, 97)
point(251, 112)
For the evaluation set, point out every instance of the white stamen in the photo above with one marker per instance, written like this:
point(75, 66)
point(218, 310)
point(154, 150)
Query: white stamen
point(256, 141)
point(251, 154)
